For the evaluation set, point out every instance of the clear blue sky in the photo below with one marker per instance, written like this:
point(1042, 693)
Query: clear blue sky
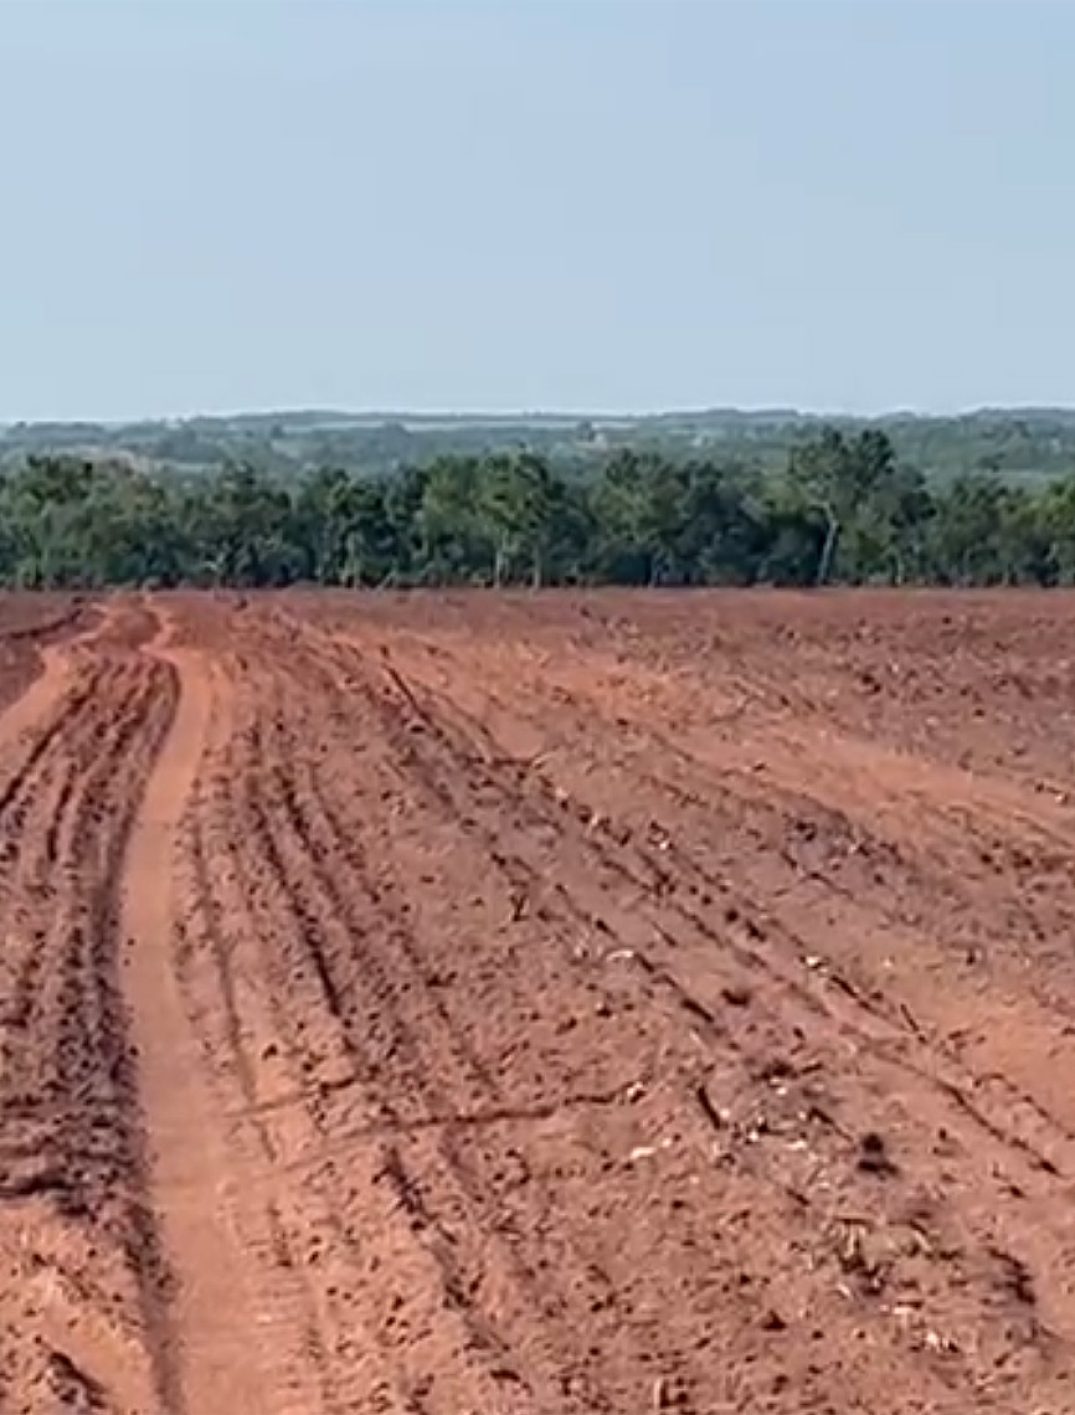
point(557, 204)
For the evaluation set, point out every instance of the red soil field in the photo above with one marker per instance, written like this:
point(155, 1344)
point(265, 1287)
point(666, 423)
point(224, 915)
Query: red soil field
point(607, 1002)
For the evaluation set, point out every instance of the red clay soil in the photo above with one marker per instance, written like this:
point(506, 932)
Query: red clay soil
point(28, 624)
point(570, 1003)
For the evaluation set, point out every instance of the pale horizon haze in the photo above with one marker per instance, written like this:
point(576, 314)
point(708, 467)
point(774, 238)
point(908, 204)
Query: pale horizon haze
point(572, 205)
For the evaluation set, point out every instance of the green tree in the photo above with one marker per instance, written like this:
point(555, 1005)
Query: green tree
point(455, 539)
point(518, 501)
point(243, 528)
point(839, 476)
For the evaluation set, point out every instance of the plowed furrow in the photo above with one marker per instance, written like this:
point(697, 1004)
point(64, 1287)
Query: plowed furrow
point(370, 1005)
point(446, 771)
point(570, 1003)
point(306, 904)
point(280, 1021)
point(289, 754)
point(75, 1172)
point(672, 899)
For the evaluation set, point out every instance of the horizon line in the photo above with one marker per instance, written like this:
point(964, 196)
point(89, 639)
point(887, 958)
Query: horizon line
point(524, 415)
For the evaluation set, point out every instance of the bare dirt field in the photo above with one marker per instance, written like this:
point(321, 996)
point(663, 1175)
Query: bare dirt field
point(578, 1003)
point(28, 623)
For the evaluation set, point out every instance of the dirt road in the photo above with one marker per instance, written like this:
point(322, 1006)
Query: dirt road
point(539, 1004)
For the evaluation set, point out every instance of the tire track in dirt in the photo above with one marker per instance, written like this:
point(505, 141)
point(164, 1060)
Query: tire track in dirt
point(420, 1202)
point(359, 1054)
point(45, 690)
point(27, 627)
point(477, 784)
point(444, 784)
point(220, 1320)
point(81, 1277)
point(278, 973)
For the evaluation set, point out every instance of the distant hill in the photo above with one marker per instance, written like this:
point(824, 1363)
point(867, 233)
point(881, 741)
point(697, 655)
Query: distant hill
point(1035, 443)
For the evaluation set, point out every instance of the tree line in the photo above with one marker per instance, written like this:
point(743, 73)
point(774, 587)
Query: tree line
point(843, 510)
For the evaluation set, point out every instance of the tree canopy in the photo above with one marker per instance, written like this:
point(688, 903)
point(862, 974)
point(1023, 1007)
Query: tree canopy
point(844, 509)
